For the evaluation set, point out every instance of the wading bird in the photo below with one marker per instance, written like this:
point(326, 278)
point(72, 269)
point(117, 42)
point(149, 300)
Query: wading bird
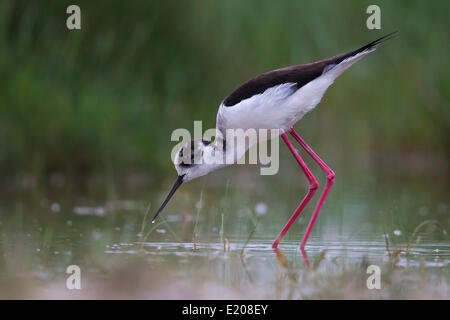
point(274, 100)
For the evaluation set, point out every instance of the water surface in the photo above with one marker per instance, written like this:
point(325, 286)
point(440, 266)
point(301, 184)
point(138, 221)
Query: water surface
point(214, 242)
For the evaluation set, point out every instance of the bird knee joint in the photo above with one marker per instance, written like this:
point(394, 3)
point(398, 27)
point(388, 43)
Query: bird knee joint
point(331, 176)
point(313, 186)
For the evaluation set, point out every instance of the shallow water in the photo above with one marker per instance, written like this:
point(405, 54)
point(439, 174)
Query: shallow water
point(214, 242)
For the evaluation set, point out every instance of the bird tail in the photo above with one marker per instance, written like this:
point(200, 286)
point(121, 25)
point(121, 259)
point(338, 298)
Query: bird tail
point(340, 63)
point(368, 47)
point(378, 41)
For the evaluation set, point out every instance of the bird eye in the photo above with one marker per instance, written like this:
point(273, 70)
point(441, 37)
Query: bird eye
point(184, 165)
point(185, 160)
point(191, 153)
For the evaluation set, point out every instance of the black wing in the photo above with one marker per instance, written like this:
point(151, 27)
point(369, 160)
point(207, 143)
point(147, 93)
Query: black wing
point(301, 74)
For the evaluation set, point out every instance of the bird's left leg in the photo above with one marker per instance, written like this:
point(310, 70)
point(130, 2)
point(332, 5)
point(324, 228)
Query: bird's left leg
point(313, 185)
point(330, 179)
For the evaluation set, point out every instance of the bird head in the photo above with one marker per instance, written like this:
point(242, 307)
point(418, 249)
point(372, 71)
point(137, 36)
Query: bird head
point(189, 163)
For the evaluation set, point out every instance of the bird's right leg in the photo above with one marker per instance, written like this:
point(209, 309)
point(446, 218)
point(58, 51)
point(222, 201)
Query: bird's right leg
point(313, 185)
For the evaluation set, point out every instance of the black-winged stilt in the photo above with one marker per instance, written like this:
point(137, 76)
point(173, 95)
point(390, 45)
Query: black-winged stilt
point(274, 100)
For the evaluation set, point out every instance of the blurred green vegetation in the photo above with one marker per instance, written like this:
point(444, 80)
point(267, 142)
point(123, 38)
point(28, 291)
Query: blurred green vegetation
point(109, 95)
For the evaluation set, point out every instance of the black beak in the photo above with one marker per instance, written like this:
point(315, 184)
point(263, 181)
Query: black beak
point(175, 186)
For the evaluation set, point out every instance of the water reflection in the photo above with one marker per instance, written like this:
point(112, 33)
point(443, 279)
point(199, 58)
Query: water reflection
point(288, 272)
point(222, 249)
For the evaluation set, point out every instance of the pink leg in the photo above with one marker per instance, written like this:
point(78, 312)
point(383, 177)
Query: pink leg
point(330, 179)
point(313, 185)
point(305, 258)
